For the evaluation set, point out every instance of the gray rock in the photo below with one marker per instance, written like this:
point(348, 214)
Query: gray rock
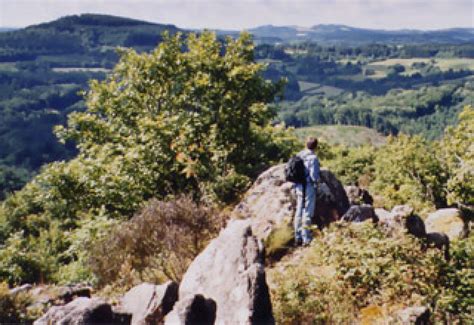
point(23, 288)
point(149, 303)
point(360, 213)
point(414, 315)
point(352, 192)
point(358, 195)
point(336, 204)
point(448, 221)
point(395, 219)
point(79, 312)
point(230, 271)
point(382, 213)
point(193, 310)
point(401, 212)
point(68, 293)
point(271, 202)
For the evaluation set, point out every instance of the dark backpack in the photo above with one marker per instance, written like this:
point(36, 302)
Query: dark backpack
point(295, 170)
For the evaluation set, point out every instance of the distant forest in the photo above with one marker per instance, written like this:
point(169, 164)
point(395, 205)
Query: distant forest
point(410, 88)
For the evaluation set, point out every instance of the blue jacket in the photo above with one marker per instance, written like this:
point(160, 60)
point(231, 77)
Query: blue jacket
point(311, 163)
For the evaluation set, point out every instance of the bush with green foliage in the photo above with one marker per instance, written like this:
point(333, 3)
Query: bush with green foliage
point(458, 153)
point(189, 117)
point(352, 165)
point(352, 266)
point(408, 170)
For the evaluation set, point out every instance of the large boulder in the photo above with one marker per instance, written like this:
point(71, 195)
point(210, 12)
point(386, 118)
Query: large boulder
point(395, 219)
point(360, 213)
point(230, 272)
point(332, 202)
point(193, 310)
point(69, 292)
point(271, 201)
point(448, 221)
point(149, 303)
point(80, 311)
point(358, 195)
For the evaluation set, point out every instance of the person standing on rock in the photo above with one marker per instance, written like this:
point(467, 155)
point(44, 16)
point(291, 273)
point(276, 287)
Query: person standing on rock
point(306, 194)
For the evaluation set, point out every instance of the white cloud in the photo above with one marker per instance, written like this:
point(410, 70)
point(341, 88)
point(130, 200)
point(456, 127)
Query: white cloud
point(388, 14)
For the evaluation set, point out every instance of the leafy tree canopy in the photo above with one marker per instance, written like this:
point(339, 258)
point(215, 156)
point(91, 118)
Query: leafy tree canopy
point(191, 116)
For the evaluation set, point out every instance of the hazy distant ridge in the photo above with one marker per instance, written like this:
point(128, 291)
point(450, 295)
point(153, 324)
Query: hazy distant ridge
point(323, 33)
point(353, 35)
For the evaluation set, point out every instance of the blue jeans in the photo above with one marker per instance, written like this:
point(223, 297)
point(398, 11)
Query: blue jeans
point(304, 216)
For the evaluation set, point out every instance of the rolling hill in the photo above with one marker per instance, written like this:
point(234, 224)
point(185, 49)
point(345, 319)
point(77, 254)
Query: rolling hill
point(85, 36)
point(352, 35)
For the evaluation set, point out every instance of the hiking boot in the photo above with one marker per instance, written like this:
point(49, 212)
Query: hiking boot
point(306, 243)
point(298, 242)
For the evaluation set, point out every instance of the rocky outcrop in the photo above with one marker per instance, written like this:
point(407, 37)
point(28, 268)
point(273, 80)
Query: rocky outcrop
point(394, 219)
point(332, 202)
point(360, 213)
point(149, 303)
point(271, 201)
point(193, 310)
point(414, 315)
point(68, 293)
point(230, 272)
point(448, 221)
point(358, 195)
point(416, 227)
point(23, 288)
point(82, 311)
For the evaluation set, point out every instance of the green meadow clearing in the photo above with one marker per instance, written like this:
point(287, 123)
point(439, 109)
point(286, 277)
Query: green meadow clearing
point(348, 135)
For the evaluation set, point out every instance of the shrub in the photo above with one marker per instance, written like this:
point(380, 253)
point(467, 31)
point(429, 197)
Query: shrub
point(155, 245)
point(458, 152)
point(352, 266)
point(279, 241)
point(353, 165)
point(408, 170)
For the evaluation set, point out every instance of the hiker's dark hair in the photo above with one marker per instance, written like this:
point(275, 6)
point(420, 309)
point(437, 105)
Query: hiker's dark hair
point(311, 143)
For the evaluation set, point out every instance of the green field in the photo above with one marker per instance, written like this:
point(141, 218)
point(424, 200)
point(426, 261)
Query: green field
point(348, 135)
point(443, 63)
point(80, 70)
point(380, 69)
point(311, 88)
point(8, 67)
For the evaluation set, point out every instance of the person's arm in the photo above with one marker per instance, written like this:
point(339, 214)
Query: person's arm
point(314, 170)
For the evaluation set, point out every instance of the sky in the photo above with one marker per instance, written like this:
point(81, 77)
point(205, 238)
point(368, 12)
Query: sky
point(244, 14)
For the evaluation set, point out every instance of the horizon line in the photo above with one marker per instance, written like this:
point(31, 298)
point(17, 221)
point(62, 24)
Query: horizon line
point(244, 29)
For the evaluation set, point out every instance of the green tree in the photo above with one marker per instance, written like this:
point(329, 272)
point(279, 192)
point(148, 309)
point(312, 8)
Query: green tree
point(191, 116)
point(179, 119)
